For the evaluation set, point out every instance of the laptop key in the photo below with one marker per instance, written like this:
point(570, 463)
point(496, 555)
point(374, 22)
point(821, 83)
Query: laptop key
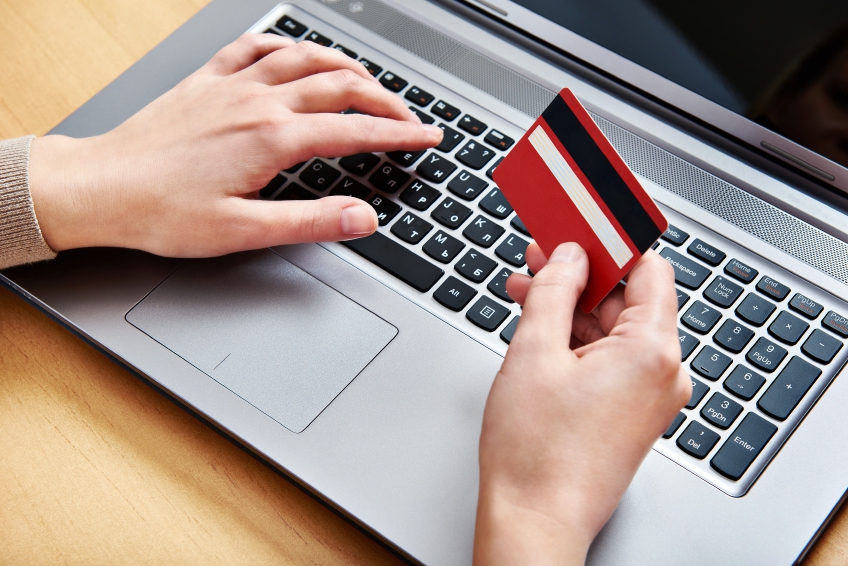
point(373, 69)
point(350, 187)
point(405, 158)
point(706, 252)
point(349, 52)
point(290, 26)
point(419, 195)
point(495, 203)
point(784, 394)
point(319, 175)
point(513, 250)
point(697, 440)
point(454, 294)
point(699, 391)
point(451, 213)
point(700, 317)
point(444, 110)
point(675, 424)
point(295, 168)
point(386, 210)
point(316, 37)
point(451, 139)
point(423, 116)
point(805, 306)
point(744, 383)
point(490, 173)
point(743, 446)
point(788, 328)
point(404, 264)
point(821, 346)
point(466, 185)
point(519, 225)
point(837, 323)
point(272, 187)
point(389, 178)
point(740, 271)
point(418, 96)
point(688, 343)
point(475, 155)
point(755, 310)
point(443, 247)
point(509, 330)
point(435, 168)
point(675, 235)
point(497, 286)
point(688, 273)
point(472, 125)
point(295, 192)
point(682, 299)
point(272, 31)
point(483, 231)
point(359, 164)
point(721, 411)
point(475, 266)
point(499, 140)
point(392, 82)
point(487, 313)
point(711, 363)
point(411, 229)
point(766, 355)
point(772, 289)
point(733, 336)
point(723, 292)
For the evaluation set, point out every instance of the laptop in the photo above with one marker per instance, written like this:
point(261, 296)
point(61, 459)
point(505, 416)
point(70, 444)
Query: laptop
point(361, 369)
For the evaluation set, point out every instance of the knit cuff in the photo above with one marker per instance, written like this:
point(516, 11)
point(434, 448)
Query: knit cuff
point(20, 237)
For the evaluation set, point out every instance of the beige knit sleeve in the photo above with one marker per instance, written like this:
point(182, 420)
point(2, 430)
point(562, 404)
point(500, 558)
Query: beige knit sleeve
point(20, 237)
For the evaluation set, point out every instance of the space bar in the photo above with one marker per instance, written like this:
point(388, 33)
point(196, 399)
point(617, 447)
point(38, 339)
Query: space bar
point(397, 260)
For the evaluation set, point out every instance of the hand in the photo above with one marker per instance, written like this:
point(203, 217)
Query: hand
point(180, 178)
point(567, 425)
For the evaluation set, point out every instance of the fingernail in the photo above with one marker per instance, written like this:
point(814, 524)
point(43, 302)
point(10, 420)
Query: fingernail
point(415, 117)
point(358, 220)
point(435, 132)
point(565, 253)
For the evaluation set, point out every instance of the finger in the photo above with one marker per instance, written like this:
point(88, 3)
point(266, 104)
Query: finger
point(552, 297)
point(302, 60)
point(517, 286)
point(650, 291)
point(536, 258)
point(245, 51)
point(335, 91)
point(586, 327)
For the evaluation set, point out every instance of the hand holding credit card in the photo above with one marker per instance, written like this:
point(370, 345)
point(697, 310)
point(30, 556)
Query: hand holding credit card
point(568, 184)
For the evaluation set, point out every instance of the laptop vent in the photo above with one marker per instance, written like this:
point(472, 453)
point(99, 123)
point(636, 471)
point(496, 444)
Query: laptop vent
point(753, 215)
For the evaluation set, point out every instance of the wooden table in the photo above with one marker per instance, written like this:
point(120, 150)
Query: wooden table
point(95, 466)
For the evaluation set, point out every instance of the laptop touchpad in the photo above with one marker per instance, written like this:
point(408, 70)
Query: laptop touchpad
point(265, 329)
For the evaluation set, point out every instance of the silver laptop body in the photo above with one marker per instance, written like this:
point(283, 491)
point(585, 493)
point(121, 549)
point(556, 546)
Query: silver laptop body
point(370, 392)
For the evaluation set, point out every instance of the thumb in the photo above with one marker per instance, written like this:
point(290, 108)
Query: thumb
point(330, 219)
point(549, 308)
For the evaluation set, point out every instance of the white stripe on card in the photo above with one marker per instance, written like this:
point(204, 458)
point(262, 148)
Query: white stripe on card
point(581, 197)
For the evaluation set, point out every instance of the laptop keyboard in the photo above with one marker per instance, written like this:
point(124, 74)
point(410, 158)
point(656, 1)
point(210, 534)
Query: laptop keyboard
point(759, 343)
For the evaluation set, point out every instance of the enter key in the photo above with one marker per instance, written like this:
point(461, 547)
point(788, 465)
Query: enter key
point(743, 446)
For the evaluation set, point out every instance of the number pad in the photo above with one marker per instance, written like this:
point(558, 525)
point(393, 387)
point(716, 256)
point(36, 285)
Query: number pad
point(721, 411)
point(744, 383)
point(711, 363)
point(700, 317)
point(766, 355)
point(733, 336)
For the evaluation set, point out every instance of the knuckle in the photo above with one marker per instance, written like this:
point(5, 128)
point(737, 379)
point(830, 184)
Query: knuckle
point(346, 79)
point(309, 50)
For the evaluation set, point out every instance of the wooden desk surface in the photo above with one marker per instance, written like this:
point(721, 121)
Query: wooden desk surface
point(95, 466)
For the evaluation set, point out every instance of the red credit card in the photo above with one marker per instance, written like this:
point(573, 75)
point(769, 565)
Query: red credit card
point(568, 184)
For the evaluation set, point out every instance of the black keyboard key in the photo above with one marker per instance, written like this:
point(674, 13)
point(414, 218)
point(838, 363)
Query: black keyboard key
point(837, 323)
point(404, 264)
point(371, 67)
point(435, 168)
point(319, 175)
point(451, 139)
point(675, 235)
point(487, 313)
point(359, 164)
point(733, 336)
point(821, 346)
point(655, 245)
point(466, 185)
point(490, 172)
point(743, 382)
point(805, 306)
point(454, 294)
point(295, 192)
point(423, 116)
point(519, 225)
point(389, 178)
point(350, 187)
point(292, 27)
point(675, 424)
point(295, 168)
point(721, 411)
point(349, 52)
point(483, 231)
point(766, 355)
point(418, 96)
point(411, 229)
point(419, 195)
point(497, 286)
point(697, 440)
point(740, 271)
point(499, 140)
point(711, 363)
point(743, 446)
point(772, 289)
point(475, 155)
point(405, 158)
point(688, 343)
point(755, 309)
point(495, 203)
point(699, 390)
point(272, 31)
point(682, 299)
point(443, 247)
point(706, 252)
point(316, 37)
point(509, 330)
point(392, 82)
point(513, 250)
point(700, 317)
point(723, 292)
point(444, 110)
point(688, 273)
point(788, 328)
point(451, 213)
point(386, 210)
point(272, 187)
point(475, 266)
point(472, 125)
point(784, 394)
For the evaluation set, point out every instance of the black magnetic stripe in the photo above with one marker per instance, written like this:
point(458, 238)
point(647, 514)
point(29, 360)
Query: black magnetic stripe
point(599, 171)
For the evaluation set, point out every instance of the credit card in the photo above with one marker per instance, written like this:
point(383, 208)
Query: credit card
point(567, 183)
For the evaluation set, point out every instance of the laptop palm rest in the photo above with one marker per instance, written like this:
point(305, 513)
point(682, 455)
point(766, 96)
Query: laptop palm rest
point(265, 329)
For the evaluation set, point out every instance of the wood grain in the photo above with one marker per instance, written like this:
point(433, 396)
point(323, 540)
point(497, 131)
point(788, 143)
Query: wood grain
point(95, 466)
